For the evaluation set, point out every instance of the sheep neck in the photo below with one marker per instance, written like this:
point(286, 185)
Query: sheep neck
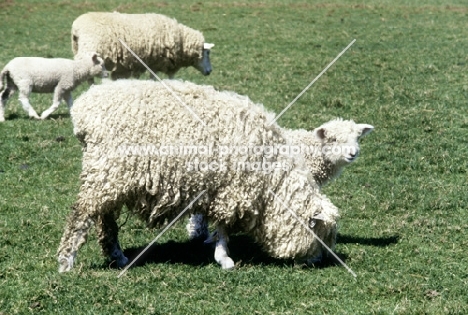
point(80, 71)
point(324, 171)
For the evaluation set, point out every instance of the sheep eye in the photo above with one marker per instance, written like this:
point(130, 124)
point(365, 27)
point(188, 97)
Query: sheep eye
point(332, 139)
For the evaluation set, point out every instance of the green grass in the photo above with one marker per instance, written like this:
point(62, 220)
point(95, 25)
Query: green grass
point(403, 203)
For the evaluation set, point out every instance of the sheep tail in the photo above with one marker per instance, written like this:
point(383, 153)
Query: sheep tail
point(4, 75)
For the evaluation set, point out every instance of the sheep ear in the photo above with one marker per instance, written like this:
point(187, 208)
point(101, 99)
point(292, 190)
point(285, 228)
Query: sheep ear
point(208, 46)
point(365, 129)
point(320, 133)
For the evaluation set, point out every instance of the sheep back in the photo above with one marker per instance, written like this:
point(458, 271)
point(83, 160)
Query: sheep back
point(131, 115)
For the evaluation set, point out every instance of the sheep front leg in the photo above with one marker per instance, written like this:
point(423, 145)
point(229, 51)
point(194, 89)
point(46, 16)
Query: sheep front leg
point(107, 230)
point(58, 95)
point(221, 254)
point(75, 234)
point(69, 99)
point(24, 99)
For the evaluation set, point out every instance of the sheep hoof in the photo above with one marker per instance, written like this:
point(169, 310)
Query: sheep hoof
point(65, 263)
point(227, 263)
point(122, 262)
point(118, 256)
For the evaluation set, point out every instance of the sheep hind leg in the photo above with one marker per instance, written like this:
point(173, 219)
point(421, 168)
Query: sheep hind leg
point(197, 227)
point(75, 235)
point(5, 95)
point(221, 254)
point(107, 230)
point(3, 99)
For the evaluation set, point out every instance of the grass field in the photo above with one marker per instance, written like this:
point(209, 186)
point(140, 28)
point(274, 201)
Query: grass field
point(404, 203)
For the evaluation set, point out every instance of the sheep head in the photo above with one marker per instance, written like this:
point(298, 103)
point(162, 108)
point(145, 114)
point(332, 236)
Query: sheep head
point(340, 140)
point(204, 64)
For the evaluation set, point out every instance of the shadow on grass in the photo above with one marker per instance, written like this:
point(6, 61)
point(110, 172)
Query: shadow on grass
point(57, 116)
point(374, 241)
point(25, 117)
point(242, 250)
point(15, 117)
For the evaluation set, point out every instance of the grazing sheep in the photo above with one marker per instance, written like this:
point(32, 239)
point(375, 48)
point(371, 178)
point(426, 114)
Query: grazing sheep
point(47, 75)
point(326, 151)
point(161, 42)
point(135, 136)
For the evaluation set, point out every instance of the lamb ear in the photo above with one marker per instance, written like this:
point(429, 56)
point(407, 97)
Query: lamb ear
point(320, 133)
point(208, 46)
point(365, 129)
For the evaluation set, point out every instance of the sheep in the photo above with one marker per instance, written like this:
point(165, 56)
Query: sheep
point(47, 75)
point(326, 151)
point(162, 43)
point(135, 135)
point(330, 147)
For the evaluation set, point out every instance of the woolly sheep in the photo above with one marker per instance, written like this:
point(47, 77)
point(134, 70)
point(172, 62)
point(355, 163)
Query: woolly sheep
point(161, 42)
point(47, 75)
point(127, 127)
point(326, 151)
point(330, 147)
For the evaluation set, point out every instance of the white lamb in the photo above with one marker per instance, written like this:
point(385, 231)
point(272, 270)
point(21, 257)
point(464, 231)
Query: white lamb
point(161, 42)
point(47, 75)
point(326, 151)
point(127, 129)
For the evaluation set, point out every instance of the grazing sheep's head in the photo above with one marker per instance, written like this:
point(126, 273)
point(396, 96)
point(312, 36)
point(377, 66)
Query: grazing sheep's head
point(340, 140)
point(204, 64)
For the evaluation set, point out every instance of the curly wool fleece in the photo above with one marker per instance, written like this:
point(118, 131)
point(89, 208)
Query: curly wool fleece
point(110, 118)
point(161, 42)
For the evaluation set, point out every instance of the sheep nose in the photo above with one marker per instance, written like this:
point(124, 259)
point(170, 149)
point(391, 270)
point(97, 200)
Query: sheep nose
point(207, 71)
point(353, 155)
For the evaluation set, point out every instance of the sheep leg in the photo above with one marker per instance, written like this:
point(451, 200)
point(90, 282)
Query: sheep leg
point(107, 230)
point(75, 234)
point(221, 254)
point(24, 99)
point(3, 100)
point(69, 99)
point(58, 95)
point(197, 227)
point(5, 95)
